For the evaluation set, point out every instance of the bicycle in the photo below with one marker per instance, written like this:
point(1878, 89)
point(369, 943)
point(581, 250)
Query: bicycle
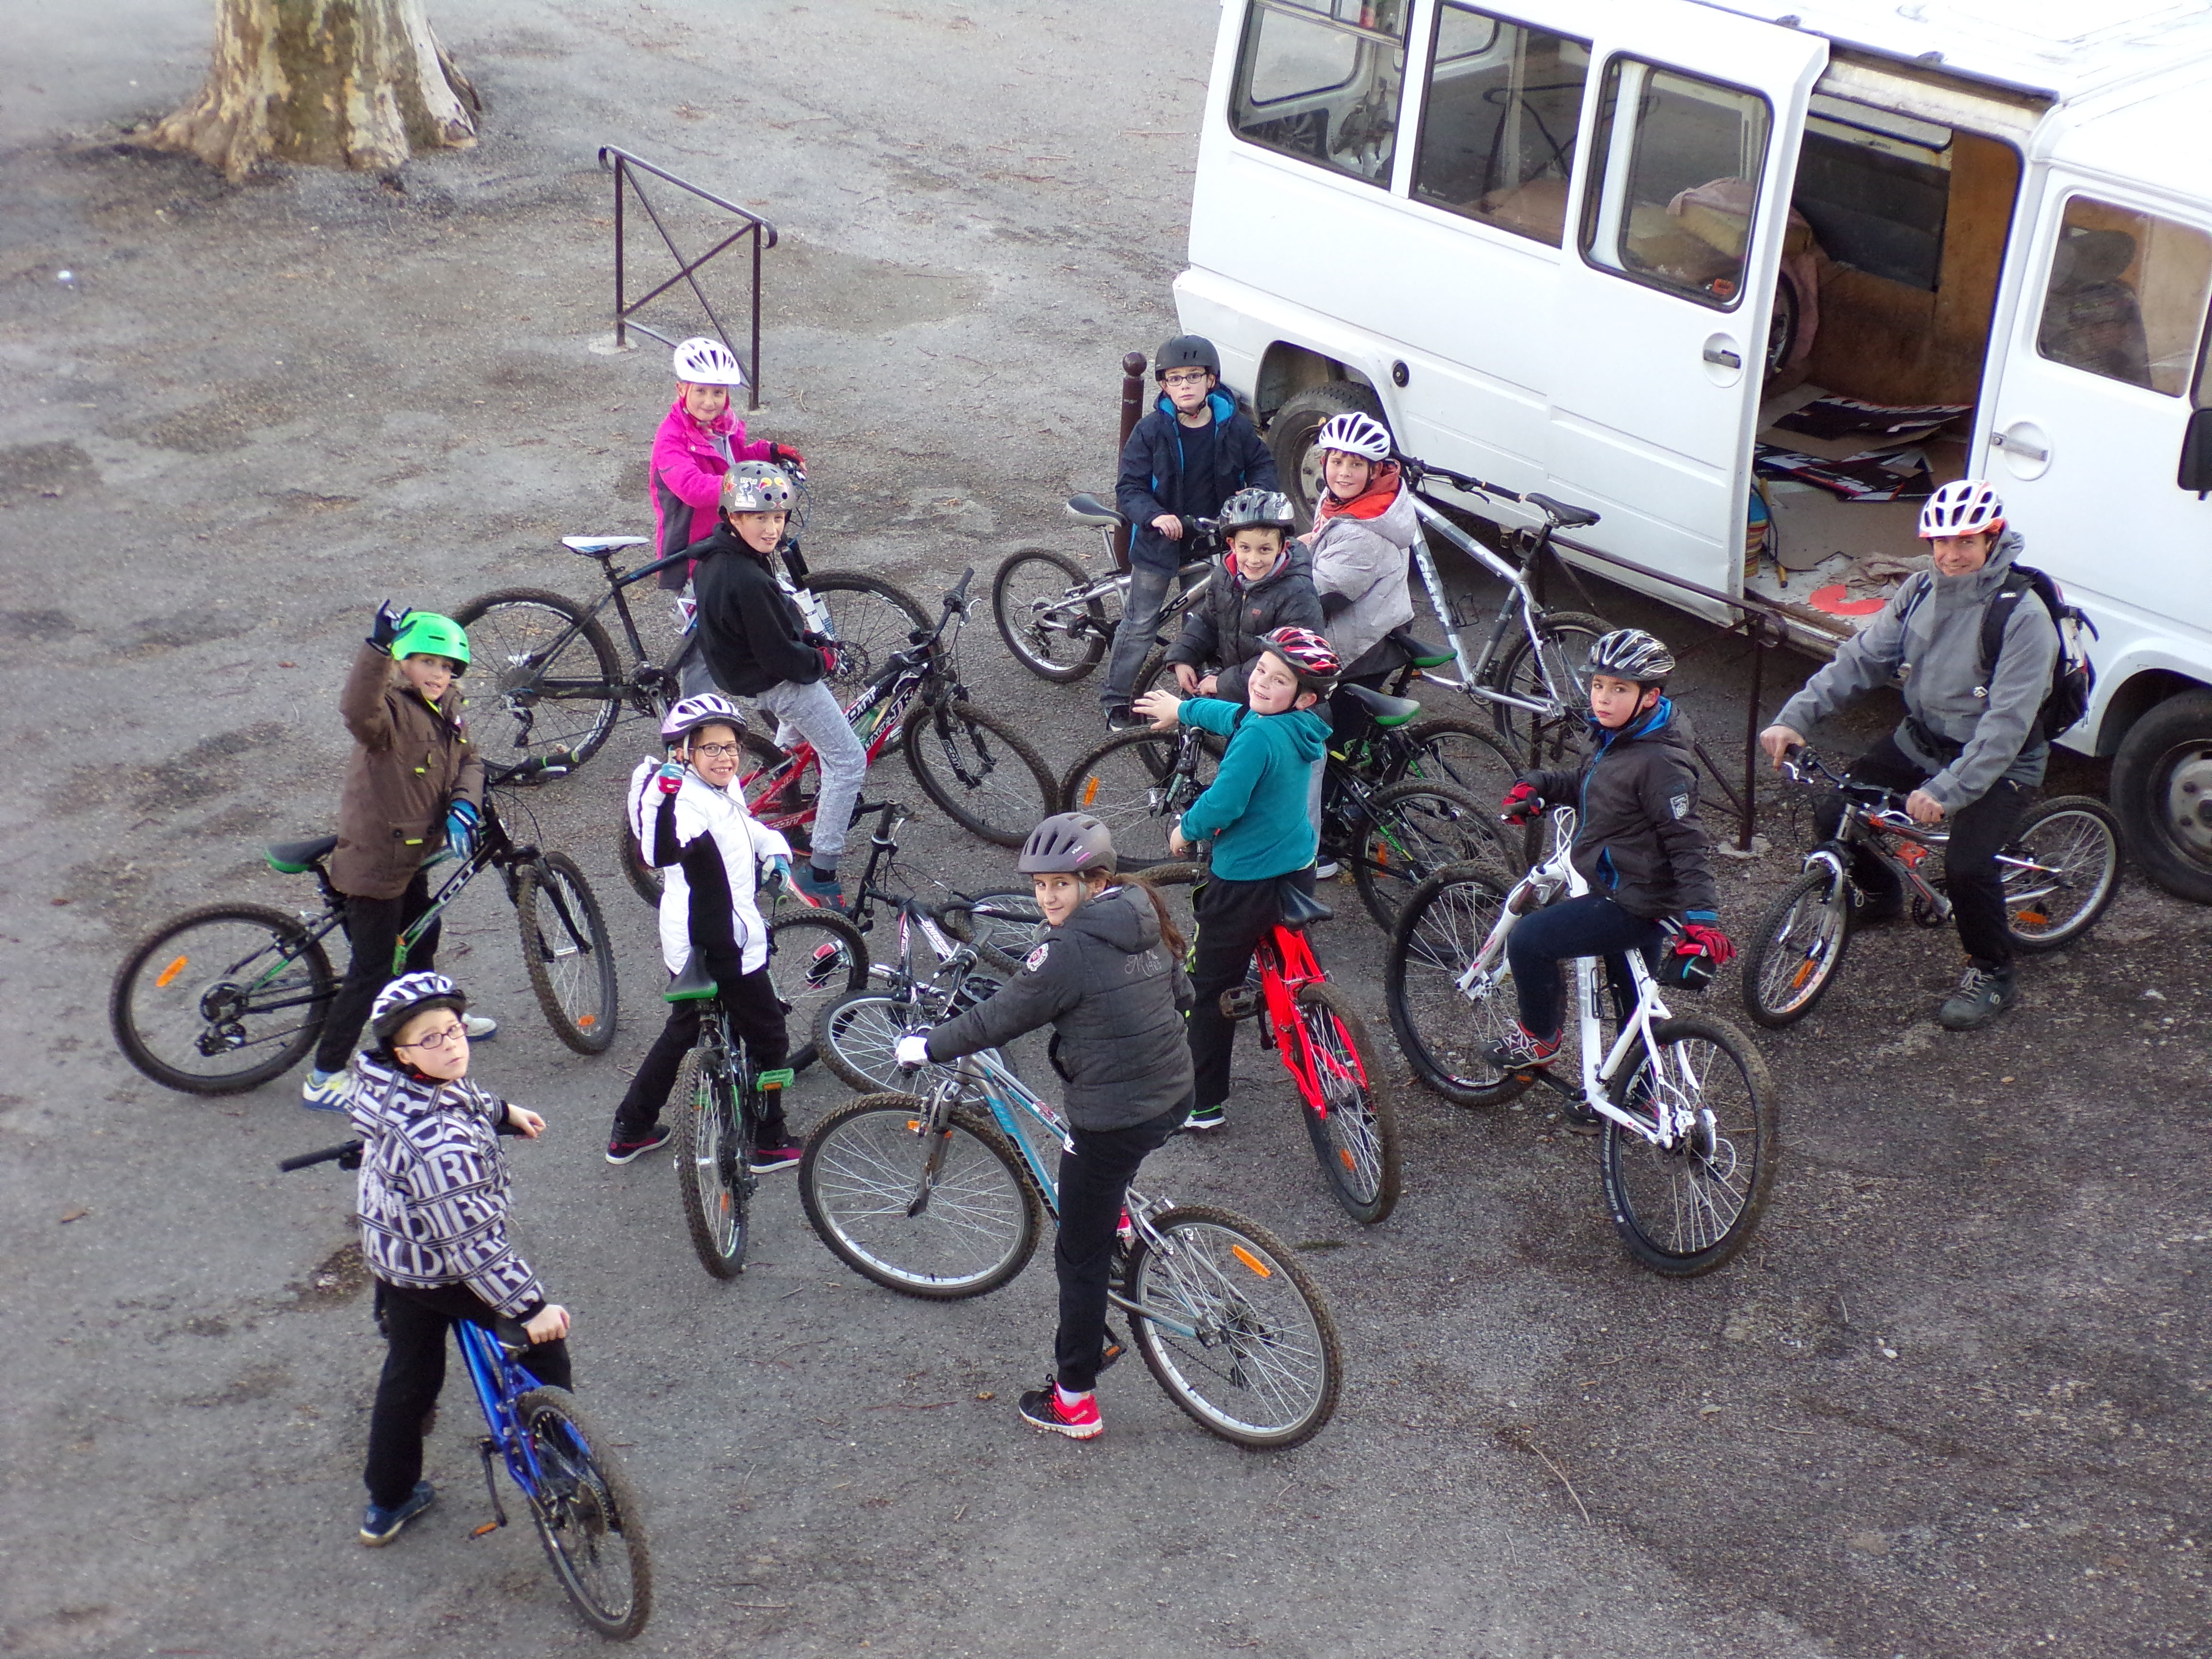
point(926, 1195)
point(224, 998)
point(1688, 1119)
point(1058, 620)
point(2061, 872)
point(579, 1497)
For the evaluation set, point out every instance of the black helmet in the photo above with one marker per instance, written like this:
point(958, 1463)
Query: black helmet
point(1188, 351)
point(1067, 843)
point(1632, 655)
point(1251, 509)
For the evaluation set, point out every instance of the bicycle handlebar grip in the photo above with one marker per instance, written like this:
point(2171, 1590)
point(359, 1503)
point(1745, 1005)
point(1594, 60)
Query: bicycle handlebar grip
point(328, 1155)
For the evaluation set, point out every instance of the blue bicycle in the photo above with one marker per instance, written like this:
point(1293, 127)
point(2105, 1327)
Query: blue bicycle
point(578, 1496)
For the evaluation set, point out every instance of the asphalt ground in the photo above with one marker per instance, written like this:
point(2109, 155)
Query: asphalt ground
point(1951, 1401)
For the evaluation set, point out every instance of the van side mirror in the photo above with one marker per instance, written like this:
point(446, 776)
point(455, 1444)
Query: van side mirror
point(2196, 453)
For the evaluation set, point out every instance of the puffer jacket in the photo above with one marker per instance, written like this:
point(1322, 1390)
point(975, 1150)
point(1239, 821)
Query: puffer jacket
point(1225, 628)
point(1153, 479)
point(1359, 571)
point(1637, 840)
point(434, 1186)
point(685, 478)
point(713, 850)
point(411, 760)
point(1115, 995)
point(1936, 651)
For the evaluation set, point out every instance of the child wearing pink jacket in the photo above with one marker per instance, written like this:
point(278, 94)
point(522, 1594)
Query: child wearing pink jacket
point(701, 439)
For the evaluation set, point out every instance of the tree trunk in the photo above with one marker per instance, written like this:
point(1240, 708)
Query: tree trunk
point(342, 83)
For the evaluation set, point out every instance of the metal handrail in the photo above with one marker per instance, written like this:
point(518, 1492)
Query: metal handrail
point(759, 231)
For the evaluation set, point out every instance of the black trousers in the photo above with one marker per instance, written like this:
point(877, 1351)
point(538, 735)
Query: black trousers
point(415, 1326)
point(1591, 925)
point(1095, 1173)
point(1233, 917)
point(373, 927)
point(1979, 831)
point(756, 1015)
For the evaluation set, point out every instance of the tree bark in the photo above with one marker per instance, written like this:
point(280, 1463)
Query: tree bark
point(344, 83)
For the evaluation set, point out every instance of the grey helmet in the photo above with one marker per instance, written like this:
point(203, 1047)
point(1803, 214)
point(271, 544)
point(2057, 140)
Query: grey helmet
point(1188, 351)
point(1255, 509)
point(1630, 653)
point(756, 487)
point(1067, 843)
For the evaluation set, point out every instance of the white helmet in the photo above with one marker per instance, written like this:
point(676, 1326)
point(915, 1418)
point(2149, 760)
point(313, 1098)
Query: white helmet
point(1964, 509)
point(1355, 433)
point(709, 708)
point(702, 361)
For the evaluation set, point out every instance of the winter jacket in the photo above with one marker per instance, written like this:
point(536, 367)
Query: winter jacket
point(713, 850)
point(1938, 653)
point(411, 760)
point(1115, 995)
point(685, 478)
point(434, 1186)
point(750, 631)
point(1152, 481)
point(1255, 811)
point(1225, 628)
point(1359, 571)
point(1637, 840)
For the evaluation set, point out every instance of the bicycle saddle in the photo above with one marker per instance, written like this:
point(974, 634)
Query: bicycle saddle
point(1562, 516)
point(1089, 509)
point(1301, 909)
point(694, 984)
point(1385, 712)
point(1419, 652)
point(292, 858)
point(597, 547)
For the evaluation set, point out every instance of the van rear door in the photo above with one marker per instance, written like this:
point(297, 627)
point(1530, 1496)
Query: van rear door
point(1689, 153)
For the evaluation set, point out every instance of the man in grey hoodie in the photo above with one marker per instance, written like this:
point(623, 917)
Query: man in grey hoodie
point(1970, 746)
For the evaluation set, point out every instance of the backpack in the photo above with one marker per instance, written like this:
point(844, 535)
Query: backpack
point(2073, 676)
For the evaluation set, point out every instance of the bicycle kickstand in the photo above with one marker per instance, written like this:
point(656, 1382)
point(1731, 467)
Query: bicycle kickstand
point(484, 1449)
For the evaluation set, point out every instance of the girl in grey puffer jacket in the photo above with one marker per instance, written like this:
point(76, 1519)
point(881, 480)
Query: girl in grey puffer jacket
point(1364, 526)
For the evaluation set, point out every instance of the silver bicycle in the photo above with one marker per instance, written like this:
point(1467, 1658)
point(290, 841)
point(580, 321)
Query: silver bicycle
point(1059, 620)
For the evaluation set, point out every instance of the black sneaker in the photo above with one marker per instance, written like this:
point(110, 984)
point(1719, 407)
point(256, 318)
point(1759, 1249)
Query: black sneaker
point(620, 1151)
point(1981, 997)
point(1125, 718)
point(1203, 1118)
point(1521, 1050)
point(784, 1155)
point(1041, 1408)
point(381, 1526)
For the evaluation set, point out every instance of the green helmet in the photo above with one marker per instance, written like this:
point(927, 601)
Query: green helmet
point(427, 634)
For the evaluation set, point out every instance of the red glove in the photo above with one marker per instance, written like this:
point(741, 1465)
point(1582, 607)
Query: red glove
point(1704, 939)
point(784, 455)
point(1521, 803)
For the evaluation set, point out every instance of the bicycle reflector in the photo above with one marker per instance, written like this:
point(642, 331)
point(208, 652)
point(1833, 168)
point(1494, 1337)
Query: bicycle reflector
point(1251, 1261)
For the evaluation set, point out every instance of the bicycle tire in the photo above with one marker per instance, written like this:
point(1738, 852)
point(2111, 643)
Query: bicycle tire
point(1444, 1034)
point(1450, 749)
point(713, 1151)
point(1565, 636)
point(1002, 925)
point(1411, 831)
point(574, 978)
point(644, 880)
point(853, 1036)
point(2078, 840)
point(872, 622)
point(1004, 802)
point(504, 650)
point(144, 1009)
point(1797, 951)
point(591, 1501)
point(862, 1169)
point(1687, 1211)
point(1281, 1353)
point(1023, 596)
point(813, 956)
point(1357, 1143)
point(1118, 783)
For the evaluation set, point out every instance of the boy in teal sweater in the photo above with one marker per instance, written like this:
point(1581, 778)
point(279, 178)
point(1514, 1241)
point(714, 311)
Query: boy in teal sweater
point(1256, 814)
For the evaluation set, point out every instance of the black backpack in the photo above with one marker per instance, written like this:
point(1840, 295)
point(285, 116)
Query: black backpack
point(2073, 676)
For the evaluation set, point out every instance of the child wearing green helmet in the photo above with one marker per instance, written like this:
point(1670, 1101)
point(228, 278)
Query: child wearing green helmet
point(414, 787)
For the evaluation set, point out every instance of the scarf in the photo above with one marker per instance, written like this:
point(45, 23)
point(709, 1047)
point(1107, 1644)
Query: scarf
point(1370, 503)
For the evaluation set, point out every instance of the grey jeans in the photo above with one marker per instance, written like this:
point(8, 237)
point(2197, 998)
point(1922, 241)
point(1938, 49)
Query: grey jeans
point(812, 712)
point(1134, 638)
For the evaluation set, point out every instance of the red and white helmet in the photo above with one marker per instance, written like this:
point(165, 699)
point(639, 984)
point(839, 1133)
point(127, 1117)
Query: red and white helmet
point(1355, 433)
point(703, 361)
point(1308, 656)
point(1964, 509)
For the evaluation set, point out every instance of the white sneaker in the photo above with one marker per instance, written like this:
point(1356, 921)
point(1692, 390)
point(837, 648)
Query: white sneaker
point(327, 1096)
point(479, 1029)
point(1327, 870)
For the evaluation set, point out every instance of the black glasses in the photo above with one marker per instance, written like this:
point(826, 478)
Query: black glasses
point(717, 750)
point(437, 1040)
point(1185, 377)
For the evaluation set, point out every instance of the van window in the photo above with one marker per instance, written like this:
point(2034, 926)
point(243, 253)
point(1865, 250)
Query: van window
point(2126, 295)
point(1680, 159)
point(1498, 131)
point(1320, 80)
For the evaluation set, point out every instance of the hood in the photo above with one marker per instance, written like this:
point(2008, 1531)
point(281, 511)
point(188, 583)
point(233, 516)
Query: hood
point(1380, 496)
point(1660, 723)
point(1120, 917)
point(1305, 731)
point(726, 540)
point(399, 1093)
point(1298, 562)
point(722, 426)
point(1978, 585)
point(1220, 402)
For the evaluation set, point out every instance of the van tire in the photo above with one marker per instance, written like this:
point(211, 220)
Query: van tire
point(2174, 733)
point(1291, 435)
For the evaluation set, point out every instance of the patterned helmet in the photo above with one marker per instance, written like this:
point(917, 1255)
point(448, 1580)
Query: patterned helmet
point(1355, 433)
point(1630, 653)
point(1965, 507)
point(1306, 654)
point(756, 487)
point(709, 709)
point(702, 361)
point(407, 996)
point(1258, 509)
point(1067, 843)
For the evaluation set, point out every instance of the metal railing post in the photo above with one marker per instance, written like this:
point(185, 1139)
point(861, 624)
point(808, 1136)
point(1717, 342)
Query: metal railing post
point(621, 319)
point(752, 359)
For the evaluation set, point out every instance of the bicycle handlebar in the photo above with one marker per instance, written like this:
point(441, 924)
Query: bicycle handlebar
point(338, 1155)
point(558, 764)
point(1556, 514)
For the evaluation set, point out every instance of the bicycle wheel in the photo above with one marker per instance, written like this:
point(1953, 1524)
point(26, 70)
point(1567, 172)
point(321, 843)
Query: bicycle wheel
point(977, 1225)
point(1685, 1209)
point(1002, 925)
point(814, 957)
point(1046, 616)
point(855, 1034)
point(1561, 654)
point(2061, 872)
point(549, 664)
point(1798, 950)
point(1231, 1325)
point(586, 1515)
point(871, 619)
point(569, 957)
point(1119, 783)
point(975, 765)
point(644, 880)
point(1411, 831)
point(1446, 1032)
point(1357, 1141)
point(1447, 749)
point(221, 999)
point(713, 1152)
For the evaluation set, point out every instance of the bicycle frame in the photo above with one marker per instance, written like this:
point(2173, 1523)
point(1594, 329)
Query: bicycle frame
point(1287, 965)
point(500, 1380)
point(494, 847)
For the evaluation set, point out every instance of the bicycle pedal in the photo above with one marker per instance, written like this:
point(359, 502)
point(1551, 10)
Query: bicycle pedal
point(778, 1079)
point(1240, 1002)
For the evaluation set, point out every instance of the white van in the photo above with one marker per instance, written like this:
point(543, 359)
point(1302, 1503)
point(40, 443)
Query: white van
point(1599, 248)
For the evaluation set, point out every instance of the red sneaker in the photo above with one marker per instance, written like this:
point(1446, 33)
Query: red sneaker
point(1041, 1408)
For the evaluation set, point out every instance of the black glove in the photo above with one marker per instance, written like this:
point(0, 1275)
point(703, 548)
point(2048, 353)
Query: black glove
point(385, 628)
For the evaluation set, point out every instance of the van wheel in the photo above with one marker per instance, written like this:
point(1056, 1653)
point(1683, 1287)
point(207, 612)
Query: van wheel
point(1290, 436)
point(2162, 790)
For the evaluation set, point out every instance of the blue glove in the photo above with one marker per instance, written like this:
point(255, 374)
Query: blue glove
point(461, 821)
point(671, 776)
point(779, 874)
point(385, 628)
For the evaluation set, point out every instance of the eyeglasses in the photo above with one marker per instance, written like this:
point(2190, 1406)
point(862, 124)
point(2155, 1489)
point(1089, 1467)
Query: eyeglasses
point(1184, 377)
point(437, 1040)
point(717, 750)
